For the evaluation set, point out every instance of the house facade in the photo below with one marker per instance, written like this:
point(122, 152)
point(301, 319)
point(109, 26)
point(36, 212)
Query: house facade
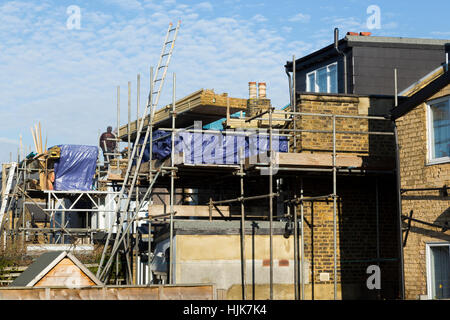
point(423, 124)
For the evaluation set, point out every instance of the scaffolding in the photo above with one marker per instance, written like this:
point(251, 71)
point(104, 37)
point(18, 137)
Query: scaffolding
point(241, 172)
point(126, 229)
point(138, 187)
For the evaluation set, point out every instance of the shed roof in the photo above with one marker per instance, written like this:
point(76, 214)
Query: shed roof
point(39, 268)
point(422, 90)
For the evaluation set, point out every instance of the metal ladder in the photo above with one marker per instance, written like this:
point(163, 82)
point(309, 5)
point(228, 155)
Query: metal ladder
point(6, 196)
point(136, 156)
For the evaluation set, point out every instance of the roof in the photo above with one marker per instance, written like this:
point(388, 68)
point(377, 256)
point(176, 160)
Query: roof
point(422, 82)
point(202, 105)
point(39, 268)
point(427, 87)
point(396, 40)
point(351, 41)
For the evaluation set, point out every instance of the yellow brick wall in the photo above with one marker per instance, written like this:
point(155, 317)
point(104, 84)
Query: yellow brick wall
point(375, 150)
point(349, 143)
point(356, 235)
point(429, 206)
point(356, 212)
point(322, 141)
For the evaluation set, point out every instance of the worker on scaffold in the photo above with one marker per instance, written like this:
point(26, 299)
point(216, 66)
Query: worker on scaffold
point(108, 144)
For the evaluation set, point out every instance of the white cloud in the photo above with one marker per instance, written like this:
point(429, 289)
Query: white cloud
point(300, 17)
point(346, 23)
point(259, 18)
point(126, 4)
point(204, 6)
point(67, 79)
point(149, 4)
point(327, 8)
point(286, 29)
point(441, 33)
point(9, 141)
point(389, 25)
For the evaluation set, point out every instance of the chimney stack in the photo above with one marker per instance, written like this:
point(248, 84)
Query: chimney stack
point(257, 101)
point(262, 90)
point(252, 90)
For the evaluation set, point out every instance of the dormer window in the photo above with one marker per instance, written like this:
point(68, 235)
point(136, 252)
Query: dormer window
point(323, 80)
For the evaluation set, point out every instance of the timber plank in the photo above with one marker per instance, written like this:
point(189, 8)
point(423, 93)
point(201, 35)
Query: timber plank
point(188, 211)
point(325, 160)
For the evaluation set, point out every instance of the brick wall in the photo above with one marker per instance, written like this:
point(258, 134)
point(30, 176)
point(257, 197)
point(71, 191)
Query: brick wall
point(356, 234)
point(357, 214)
point(376, 151)
point(359, 144)
point(254, 106)
point(429, 206)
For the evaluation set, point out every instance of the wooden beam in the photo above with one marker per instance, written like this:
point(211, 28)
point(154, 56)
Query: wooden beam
point(317, 159)
point(188, 211)
point(324, 159)
point(34, 140)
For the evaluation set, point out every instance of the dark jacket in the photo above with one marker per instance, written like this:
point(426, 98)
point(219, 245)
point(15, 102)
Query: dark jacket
point(110, 145)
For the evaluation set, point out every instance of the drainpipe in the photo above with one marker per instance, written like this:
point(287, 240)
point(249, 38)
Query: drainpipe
point(292, 98)
point(290, 86)
point(399, 195)
point(336, 47)
point(399, 208)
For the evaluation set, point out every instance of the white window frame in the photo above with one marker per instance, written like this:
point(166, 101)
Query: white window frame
point(316, 87)
point(430, 132)
point(428, 263)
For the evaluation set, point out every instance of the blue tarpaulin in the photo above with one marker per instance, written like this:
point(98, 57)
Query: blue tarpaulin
point(75, 168)
point(217, 125)
point(161, 149)
point(213, 148)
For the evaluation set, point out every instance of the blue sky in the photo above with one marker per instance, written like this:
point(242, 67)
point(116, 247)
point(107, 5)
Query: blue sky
point(67, 79)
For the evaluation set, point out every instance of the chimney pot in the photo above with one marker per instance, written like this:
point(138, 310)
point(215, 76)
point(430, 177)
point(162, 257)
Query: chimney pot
point(252, 90)
point(365, 34)
point(262, 90)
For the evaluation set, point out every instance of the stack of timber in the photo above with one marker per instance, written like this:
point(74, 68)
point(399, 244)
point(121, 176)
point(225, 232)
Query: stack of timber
point(240, 123)
point(43, 161)
point(202, 105)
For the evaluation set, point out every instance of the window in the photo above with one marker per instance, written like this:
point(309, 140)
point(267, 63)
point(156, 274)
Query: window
point(438, 270)
point(439, 130)
point(323, 79)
